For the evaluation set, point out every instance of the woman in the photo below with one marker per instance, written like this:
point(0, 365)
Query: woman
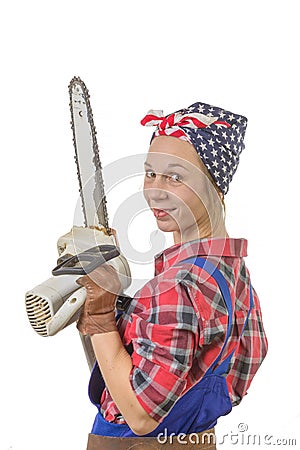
point(188, 346)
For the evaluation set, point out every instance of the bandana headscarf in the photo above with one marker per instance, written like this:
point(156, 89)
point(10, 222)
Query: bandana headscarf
point(216, 134)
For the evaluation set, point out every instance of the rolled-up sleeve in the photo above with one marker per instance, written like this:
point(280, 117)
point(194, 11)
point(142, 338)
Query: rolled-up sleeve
point(164, 335)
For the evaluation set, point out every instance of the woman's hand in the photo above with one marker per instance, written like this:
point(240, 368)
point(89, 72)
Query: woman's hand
point(98, 314)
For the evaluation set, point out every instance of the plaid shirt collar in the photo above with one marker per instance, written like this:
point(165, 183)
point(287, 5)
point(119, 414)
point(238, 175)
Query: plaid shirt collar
point(235, 248)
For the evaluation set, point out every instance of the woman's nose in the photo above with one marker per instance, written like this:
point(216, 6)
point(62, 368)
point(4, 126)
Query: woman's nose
point(157, 189)
point(157, 194)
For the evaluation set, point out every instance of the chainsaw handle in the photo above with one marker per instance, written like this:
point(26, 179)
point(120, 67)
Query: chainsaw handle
point(96, 256)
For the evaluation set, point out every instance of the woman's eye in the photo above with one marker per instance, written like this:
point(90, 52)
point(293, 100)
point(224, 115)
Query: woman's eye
point(175, 177)
point(149, 174)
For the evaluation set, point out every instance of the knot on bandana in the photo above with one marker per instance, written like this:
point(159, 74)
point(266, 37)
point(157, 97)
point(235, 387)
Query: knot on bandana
point(172, 124)
point(216, 134)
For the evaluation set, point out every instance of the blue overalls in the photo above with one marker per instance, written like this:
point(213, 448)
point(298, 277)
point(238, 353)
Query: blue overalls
point(199, 408)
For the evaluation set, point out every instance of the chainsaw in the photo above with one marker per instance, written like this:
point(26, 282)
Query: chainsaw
point(58, 301)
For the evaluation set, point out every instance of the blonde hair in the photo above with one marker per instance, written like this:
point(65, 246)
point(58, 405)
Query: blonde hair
point(211, 179)
point(214, 202)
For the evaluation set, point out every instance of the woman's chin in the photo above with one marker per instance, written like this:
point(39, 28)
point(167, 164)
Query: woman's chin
point(165, 226)
point(167, 223)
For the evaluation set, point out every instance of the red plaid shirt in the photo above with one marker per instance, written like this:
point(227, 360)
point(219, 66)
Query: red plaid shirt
point(177, 322)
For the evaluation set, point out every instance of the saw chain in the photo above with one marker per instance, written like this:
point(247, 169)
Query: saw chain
point(89, 168)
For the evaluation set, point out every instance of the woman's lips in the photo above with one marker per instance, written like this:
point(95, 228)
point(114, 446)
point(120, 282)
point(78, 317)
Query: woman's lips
point(161, 212)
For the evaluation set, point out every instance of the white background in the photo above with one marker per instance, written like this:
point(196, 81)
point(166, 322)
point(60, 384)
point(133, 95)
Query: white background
point(133, 56)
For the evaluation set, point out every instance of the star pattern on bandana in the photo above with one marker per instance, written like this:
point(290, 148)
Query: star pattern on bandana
point(218, 147)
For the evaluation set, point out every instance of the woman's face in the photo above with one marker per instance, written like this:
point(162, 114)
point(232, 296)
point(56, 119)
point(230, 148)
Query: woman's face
point(177, 189)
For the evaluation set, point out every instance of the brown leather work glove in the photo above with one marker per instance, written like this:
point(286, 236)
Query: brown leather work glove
point(98, 314)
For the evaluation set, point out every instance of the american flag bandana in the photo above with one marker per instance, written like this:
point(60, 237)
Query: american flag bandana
point(216, 134)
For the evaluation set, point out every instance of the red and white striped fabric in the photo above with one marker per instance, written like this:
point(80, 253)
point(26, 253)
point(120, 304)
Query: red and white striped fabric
point(172, 124)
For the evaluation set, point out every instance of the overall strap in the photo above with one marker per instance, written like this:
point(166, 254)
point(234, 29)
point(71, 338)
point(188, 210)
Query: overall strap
point(223, 286)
